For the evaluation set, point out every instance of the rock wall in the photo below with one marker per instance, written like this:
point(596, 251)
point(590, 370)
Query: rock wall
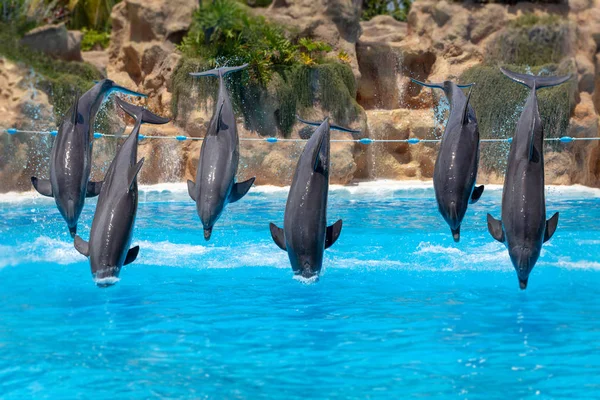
point(440, 40)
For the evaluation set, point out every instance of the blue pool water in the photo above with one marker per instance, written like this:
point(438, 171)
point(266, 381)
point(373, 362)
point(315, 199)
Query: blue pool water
point(401, 310)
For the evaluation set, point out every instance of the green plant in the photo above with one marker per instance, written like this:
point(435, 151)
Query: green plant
point(527, 20)
point(93, 14)
point(223, 32)
point(93, 38)
point(398, 9)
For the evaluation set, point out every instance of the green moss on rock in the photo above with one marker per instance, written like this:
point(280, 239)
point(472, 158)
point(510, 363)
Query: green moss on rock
point(530, 40)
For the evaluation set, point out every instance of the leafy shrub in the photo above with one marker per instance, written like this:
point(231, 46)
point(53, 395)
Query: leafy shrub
point(92, 14)
point(93, 38)
point(398, 9)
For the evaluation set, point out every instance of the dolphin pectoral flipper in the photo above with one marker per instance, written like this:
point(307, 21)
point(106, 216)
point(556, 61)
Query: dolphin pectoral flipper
point(82, 246)
point(333, 233)
point(278, 236)
point(495, 228)
point(93, 189)
point(476, 195)
point(43, 186)
point(240, 189)
point(134, 171)
point(192, 189)
point(551, 225)
point(132, 255)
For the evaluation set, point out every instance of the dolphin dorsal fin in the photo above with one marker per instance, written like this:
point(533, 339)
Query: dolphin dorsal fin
point(221, 125)
point(74, 113)
point(134, 171)
point(465, 111)
point(317, 154)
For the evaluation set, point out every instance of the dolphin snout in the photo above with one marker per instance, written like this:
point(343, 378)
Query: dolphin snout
point(523, 259)
point(106, 276)
point(207, 233)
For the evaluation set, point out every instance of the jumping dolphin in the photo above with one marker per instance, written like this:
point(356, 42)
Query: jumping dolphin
point(215, 184)
point(523, 228)
point(456, 166)
point(112, 227)
point(305, 234)
point(70, 162)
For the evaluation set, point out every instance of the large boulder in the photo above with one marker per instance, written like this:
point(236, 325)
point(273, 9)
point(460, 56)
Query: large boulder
point(56, 41)
point(143, 43)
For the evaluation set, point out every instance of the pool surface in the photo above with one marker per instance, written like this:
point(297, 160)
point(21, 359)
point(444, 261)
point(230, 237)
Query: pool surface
point(400, 310)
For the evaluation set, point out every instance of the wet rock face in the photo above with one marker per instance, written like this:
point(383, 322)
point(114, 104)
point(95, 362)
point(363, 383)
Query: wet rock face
point(22, 107)
point(142, 49)
point(55, 40)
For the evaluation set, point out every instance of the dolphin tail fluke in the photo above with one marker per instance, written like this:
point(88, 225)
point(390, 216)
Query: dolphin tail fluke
point(429, 85)
point(535, 82)
point(331, 126)
point(278, 236)
point(140, 113)
point(551, 225)
point(82, 246)
point(495, 228)
point(333, 233)
point(93, 189)
point(42, 186)
point(240, 189)
point(191, 189)
point(124, 90)
point(134, 171)
point(476, 195)
point(132, 255)
point(223, 71)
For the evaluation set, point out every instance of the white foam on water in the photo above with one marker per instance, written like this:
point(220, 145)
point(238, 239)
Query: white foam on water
point(582, 265)
point(42, 249)
point(372, 188)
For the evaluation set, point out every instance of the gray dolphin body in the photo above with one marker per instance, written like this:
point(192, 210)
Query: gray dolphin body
point(215, 184)
point(455, 170)
point(523, 228)
point(112, 227)
point(71, 159)
point(305, 234)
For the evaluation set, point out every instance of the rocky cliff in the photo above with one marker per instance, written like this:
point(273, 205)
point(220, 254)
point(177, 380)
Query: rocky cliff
point(441, 40)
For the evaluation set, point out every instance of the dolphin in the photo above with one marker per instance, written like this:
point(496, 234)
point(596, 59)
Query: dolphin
point(523, 227)
point(71, 158)
point(112, 227)
point(305, 234)
point(456, 166)
point(215, 184)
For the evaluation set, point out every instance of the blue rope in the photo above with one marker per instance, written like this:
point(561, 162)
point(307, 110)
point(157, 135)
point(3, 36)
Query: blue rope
point(365, 141)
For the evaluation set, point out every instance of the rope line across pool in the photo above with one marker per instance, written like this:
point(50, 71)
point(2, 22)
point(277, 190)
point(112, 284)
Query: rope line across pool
point(271, 139)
